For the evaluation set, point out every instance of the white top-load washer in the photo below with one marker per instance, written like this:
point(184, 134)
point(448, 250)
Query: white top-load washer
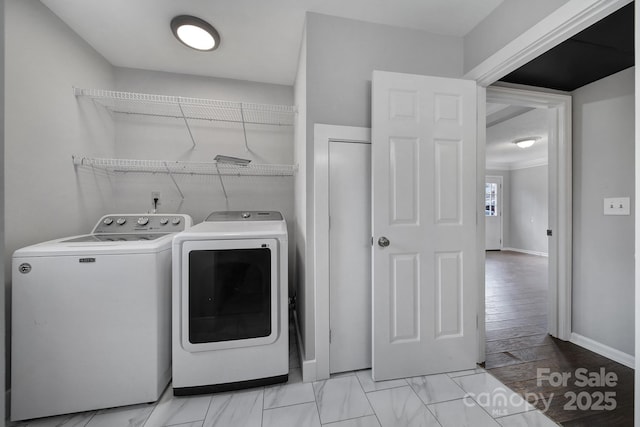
point(91, 317)
point(230, 313)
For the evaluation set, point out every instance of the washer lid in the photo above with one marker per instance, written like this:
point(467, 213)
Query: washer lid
point(245, 216)
point(133, 237)
point(92, 244)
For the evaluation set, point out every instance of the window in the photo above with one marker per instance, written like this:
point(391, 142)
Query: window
point(490, 199)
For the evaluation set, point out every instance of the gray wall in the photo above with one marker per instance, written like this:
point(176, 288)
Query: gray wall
point(529, 209)
point(44, 127)
point(525, 208)
point(508, 21)
point(139, 137)
point(603, 246)
point(341, 55)
point(142, 138)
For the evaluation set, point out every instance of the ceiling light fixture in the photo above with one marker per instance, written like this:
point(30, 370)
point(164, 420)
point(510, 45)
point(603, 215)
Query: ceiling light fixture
point(195, 33)
point(525, 142)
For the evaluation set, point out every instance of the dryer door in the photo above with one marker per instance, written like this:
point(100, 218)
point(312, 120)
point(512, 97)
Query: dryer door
point(229, 293)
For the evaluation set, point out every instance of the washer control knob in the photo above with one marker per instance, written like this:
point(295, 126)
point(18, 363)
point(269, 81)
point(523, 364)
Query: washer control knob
point(246, 215)
point(175, 221)
point(121, 221)
point(164, 221)
point(108, 221)
point(143, 220)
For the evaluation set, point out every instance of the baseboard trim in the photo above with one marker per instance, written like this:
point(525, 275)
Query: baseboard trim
point(308, 367)
point(524, 251)
point(603, 350)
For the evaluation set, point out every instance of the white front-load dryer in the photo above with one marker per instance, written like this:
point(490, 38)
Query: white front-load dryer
point(230, 312)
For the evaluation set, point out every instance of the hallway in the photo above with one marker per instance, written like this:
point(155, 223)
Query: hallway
point(521, 354)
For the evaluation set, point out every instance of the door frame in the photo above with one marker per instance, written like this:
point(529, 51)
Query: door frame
point(568, 20)
point(501, 203)
point(323, 135)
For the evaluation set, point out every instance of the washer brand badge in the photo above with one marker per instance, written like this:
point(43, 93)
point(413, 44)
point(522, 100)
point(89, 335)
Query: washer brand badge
point(24, 268)
point(87, 260)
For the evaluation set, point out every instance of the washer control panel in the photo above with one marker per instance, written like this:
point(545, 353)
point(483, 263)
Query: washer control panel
point(142, 223)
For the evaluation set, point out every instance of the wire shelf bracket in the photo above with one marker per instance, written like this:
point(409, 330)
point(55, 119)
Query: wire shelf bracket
point(186, 123)
point(174, 180)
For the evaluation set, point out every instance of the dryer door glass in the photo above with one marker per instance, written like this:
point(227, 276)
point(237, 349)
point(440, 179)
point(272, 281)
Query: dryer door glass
point(229, 294)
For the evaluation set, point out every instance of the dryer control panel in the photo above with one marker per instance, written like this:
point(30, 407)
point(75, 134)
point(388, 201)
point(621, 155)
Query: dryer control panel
point(244, 216)
point(142, 223)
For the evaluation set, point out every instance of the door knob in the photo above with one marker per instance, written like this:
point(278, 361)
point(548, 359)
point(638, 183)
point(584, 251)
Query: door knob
point(383, 242)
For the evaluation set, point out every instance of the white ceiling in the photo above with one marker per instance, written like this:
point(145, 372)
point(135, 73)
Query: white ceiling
point(502, 153)
point(260, 38)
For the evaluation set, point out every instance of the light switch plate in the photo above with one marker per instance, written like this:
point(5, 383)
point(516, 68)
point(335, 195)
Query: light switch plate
point(617, 205)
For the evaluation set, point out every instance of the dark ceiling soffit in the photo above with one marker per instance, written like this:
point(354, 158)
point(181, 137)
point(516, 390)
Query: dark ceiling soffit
point(601, 50)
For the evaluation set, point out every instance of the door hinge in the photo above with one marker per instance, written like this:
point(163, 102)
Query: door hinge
point(329, 222)
point(329, 336)
point(477, 321)
point(550, 233)
point(371, 240)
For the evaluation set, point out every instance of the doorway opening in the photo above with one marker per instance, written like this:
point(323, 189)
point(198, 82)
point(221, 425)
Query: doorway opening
point(516, 222)
point(546, 224)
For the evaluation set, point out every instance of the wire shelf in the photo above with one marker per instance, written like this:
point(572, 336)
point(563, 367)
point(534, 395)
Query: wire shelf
point(183, 167)
point(191, 108)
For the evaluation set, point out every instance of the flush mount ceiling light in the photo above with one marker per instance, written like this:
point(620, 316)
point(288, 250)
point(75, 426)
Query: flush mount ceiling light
point(525, 142)
point(195, 33)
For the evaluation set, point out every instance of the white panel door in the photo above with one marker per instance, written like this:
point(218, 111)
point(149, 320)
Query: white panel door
point(349, 256)
point(424, 225)
point(493, 213)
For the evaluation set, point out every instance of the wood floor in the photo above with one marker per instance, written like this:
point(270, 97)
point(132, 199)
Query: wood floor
point(521, 354)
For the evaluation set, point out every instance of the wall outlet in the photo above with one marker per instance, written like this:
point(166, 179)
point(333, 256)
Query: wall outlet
point(617, 206)
point(155, 195)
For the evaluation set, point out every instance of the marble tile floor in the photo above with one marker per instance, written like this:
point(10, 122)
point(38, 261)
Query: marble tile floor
point(457, 399)
point(350, 399)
